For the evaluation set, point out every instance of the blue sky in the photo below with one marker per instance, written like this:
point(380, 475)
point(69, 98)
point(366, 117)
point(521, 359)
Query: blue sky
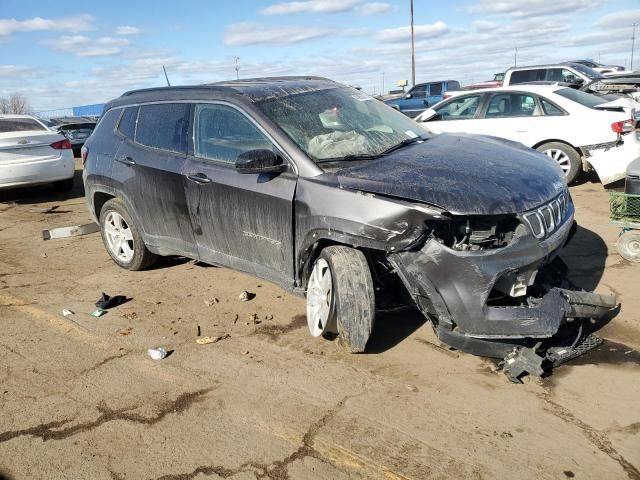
point(61, 54)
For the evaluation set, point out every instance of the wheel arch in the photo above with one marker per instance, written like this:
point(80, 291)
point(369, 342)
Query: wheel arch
point(556, 140)
point(99, 199)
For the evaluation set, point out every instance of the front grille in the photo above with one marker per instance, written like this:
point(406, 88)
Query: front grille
point(546, 219)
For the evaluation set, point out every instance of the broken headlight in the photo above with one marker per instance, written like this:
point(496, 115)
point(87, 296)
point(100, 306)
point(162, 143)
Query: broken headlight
point(476, 232)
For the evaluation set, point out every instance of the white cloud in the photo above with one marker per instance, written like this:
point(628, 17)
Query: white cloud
point(532, 8)
point(249, 33)
point(311, 6)
point(623, 18)
point(402, 34)
point(88, 47)
point(15, 70)
point(72, 24)
point(126, 30)
point(374, 8)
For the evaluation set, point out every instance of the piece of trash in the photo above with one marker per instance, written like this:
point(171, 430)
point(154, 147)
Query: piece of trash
point(253, 317)
point(413, 388)
point(66, 312)
point(157, 353)
point(125, 331)
point(199, 332)
point(44, 254)
point(246, 352)
point(236, 319)
point(106, 302)
point(212, 301)
point(268, 317)
point(129, 315)
point(98, 312)
point(52, 209)
point(246, 296)
point(207, 340)
point(75, 231)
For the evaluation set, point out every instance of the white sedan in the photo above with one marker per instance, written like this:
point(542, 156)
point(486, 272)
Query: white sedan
point(30, 154)
point(578, 130)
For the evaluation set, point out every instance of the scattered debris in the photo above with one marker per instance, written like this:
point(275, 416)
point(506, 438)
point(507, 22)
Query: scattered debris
point(246, 296)
point(157, 353)
point(98, 312)
point(246, 352)
point(199, 331)
point(207, 340)
point(212, 301)
point(235, 320)
point(253, 317)
point(413, 388)
point(66, 312)
point(106, 302)
point(75, 231)
point(130, 315)
point(44, 254)
point(125, 331)
point(268, 317)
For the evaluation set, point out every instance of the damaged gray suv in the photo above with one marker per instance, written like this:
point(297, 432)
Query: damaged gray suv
point(333, 195)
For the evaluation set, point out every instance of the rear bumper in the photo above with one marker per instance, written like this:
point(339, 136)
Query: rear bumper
point(35, 172)
point(611, 162)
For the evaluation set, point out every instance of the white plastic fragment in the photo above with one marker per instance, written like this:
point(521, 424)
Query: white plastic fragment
point(157, 353)
point(66, 312)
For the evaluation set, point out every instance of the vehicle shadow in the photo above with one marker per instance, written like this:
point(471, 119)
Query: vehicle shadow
point(43, 193)
point(585, 256)
point(392, 327)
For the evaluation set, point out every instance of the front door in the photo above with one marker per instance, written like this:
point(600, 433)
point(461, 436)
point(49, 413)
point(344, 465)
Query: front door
point(240, 220)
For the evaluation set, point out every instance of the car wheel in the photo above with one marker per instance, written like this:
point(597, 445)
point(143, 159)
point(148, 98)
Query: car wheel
point(629, 245)
point(340, 297)
point(63, 185)
point(121, 237)
point(566, 157)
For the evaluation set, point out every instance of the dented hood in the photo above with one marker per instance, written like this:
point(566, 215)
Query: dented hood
point(463, 174)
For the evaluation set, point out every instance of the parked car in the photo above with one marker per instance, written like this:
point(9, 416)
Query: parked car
point(331, 194)
point(578, 130)
point(77, 133)
point(572, 73)
point(31, 154)
point(498, 78)
point(421, 96)
point(598, 67)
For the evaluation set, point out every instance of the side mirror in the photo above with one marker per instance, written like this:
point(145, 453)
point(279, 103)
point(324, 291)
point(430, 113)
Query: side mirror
point(260, 161)
point(408, 95)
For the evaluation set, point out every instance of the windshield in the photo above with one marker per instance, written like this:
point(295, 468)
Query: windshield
point(583, 98)
point(587, 72)
point(341, 124)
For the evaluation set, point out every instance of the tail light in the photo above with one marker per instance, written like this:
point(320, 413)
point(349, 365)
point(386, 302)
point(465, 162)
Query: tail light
point(61, 145)
point(625, 126)
point(84, 153)
point(445, 96)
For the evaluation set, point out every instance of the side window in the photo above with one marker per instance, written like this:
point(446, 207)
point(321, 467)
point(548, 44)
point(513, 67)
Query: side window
point(522, 76)
point(107, 122)
point(549, 108)
point(460, 108)
point(222, 133)
point(163, 126)
point(127, 125)
point(419, 91)
point(568, 76)
point(453, 85)
point(511, 105)
point(435, 89)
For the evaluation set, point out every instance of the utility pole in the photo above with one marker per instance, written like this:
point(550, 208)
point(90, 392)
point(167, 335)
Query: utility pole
point(515, 57)
point(237, 59)
point(383, 90)
point(413, 51)
point(633, 42)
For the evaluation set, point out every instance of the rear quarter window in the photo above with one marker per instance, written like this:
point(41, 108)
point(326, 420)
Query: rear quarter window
point(163, 126)
point(522, 76)
point(19, 125)
point(107, 122)
point(127, 125)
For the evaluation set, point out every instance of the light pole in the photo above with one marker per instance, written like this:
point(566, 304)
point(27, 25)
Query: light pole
point(413, 51)
point(383, 83)
point(515, 57)
point(237, 59)
point(633, 42)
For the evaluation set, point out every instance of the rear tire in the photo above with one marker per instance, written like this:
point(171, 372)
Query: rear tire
point(566, 156)
point(122, 238)
point(344, 302)
point(63, 185)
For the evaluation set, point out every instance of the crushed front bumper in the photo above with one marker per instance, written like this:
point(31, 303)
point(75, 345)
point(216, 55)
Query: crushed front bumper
point(453, 288)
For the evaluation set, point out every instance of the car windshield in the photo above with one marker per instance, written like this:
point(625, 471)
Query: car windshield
point(583, 98)
point(586, 71)
point(341, 124)
point(19, 125)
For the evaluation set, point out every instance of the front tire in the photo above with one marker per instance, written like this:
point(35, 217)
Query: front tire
point(121, 237)
point(341, 298)
point(565, 156)
point(629, 245)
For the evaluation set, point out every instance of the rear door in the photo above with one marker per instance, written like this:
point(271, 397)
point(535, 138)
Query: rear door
point(513, 115)
point(459, 114)
point(148, 170)
point(244, 221)
point(434, 95)
point(414, 101)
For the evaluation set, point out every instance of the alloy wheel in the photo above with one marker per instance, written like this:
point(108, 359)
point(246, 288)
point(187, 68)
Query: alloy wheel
point(119, 237)
point(319, 298)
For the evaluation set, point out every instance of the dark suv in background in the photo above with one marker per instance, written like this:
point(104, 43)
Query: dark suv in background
point(334, 195)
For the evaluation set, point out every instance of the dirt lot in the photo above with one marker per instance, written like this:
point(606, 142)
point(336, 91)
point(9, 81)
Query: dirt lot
point(80, 398)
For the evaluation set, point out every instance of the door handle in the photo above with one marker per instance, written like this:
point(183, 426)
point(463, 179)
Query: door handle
point(199, 178)
point(126, 160)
